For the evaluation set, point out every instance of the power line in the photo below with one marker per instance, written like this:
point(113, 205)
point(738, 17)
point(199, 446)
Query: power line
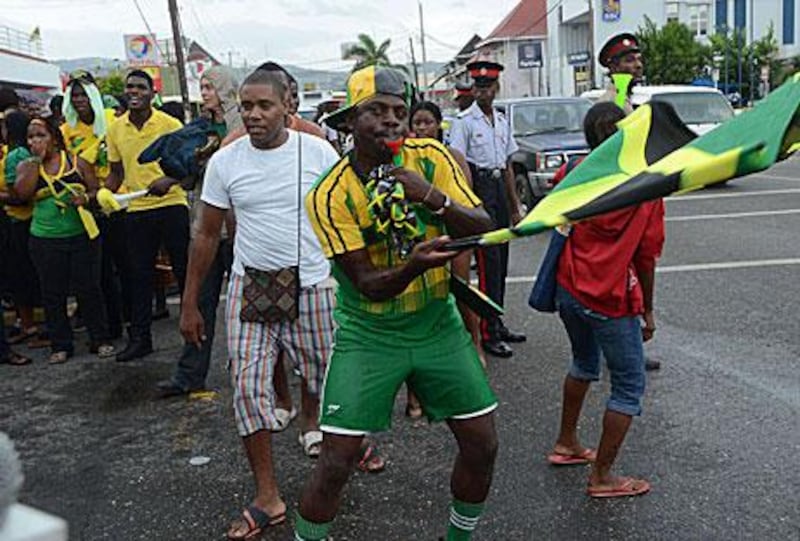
point(149, 30)
point(201, 30)
point(442, 43)
point(221, 37)
point(547, 13)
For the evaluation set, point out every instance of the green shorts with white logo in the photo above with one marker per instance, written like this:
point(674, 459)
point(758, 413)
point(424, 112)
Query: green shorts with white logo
point(366, 370)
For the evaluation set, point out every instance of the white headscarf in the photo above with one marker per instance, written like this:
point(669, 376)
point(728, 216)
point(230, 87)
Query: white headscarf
point(95, 100)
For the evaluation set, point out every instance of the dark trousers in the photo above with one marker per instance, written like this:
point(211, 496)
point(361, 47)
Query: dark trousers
point(23, 278)
point(5, 351)
point(193, 364)
point(64, 265)
point(115, 270)
point(148, 230)
point(492, 260)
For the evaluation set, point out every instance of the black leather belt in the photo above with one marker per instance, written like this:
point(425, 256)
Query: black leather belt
point(491, 173)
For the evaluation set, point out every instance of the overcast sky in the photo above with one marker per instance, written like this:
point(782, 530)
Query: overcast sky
point(307, 33)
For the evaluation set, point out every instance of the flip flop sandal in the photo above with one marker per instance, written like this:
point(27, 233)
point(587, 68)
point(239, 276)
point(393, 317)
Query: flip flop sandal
point(284, 418)
point(15, 359)
point(311, 442)
point(104, 351)
point(58, 357)
point(257, 521)
point(558, 459)
point(371, 461)
point(414, 412)
point(628, 486)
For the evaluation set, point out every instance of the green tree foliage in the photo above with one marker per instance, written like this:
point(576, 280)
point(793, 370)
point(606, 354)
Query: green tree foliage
point(671, 53)
point(113, 84)
point(367, 53)
point(761, 53)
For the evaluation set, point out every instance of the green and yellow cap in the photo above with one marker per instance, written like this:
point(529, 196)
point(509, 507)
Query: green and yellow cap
point(367, 83)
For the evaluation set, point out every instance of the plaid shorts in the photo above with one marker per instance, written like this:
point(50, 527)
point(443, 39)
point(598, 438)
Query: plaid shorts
point(253, 350)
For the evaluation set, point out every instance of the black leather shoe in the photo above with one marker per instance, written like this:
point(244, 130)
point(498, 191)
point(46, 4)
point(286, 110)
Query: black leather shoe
point(651, 364)
point(507, 335)
point(135, 349)
point(497, 348)
point(168, 389)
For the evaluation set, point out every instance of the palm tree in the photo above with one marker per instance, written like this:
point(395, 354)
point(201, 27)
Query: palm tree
point(367, 53)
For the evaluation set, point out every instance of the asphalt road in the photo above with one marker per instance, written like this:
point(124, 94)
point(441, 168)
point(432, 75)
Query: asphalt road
point(718, 439)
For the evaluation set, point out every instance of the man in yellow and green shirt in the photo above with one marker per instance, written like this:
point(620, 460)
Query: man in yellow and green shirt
point(397, 321)
point(161, 217)
point(86, 123)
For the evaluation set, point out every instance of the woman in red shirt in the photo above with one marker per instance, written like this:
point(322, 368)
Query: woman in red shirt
point(605, 288)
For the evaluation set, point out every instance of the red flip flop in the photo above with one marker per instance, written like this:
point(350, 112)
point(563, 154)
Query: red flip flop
point(558, 459)
point(625, 486)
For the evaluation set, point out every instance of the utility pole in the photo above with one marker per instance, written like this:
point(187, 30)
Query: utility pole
point(591, 46)
point(727, 51)
point(752, 56)
point(739, 90)
point(413, 61)
point(424, 56)
point(179, 58)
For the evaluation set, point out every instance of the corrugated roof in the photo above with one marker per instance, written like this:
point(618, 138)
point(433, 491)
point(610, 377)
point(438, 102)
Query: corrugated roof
point(528, 18)
point(469, 47)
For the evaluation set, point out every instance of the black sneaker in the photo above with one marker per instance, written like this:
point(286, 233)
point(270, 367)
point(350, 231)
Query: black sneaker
point(497, 348)
point(135, 349)
point(507, 335)
point(168, 389)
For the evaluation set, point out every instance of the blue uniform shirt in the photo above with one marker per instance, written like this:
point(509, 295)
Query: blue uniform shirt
point(484, 145)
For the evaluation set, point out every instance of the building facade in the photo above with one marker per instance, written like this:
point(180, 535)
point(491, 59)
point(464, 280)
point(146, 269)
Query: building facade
point(577, 29)
point(22, 62)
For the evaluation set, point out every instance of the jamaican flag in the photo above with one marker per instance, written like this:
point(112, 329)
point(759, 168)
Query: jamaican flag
point(653, 155)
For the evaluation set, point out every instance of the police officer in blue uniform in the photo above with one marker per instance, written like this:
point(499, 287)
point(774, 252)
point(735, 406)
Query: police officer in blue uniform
point(483, 135)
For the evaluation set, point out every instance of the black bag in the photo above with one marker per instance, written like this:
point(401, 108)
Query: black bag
point(273, 296)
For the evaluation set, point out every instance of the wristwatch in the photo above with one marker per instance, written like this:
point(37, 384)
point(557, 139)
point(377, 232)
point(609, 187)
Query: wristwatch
point(445, 205)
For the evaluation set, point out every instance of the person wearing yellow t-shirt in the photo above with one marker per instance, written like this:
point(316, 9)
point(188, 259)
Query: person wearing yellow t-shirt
point(161, 217)
point(85, 126)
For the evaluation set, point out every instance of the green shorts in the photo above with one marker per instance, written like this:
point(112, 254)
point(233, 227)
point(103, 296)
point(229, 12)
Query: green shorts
point(365, 372)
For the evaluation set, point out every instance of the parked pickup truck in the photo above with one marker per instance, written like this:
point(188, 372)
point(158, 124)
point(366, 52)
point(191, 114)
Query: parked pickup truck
point(548, 131)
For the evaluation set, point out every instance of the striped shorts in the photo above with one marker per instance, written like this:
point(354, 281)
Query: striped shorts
point(253, 350)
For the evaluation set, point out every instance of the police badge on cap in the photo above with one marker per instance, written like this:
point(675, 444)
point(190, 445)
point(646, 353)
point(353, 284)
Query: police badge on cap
point(484, 72)
point(617, 46)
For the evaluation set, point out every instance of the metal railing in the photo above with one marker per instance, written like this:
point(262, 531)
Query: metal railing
point(21, 42)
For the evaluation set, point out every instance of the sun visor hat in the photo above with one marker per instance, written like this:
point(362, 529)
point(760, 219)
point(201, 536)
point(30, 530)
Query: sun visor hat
point(367, 83)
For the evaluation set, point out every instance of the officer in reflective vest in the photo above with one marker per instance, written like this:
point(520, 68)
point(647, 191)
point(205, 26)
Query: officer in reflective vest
point(621, 54)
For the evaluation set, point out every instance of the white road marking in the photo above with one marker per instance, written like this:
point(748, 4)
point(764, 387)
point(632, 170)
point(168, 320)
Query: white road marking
point(699, 217)
point(774, 177)
point(665, 269)
point(702, 197)
point(725, 265)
